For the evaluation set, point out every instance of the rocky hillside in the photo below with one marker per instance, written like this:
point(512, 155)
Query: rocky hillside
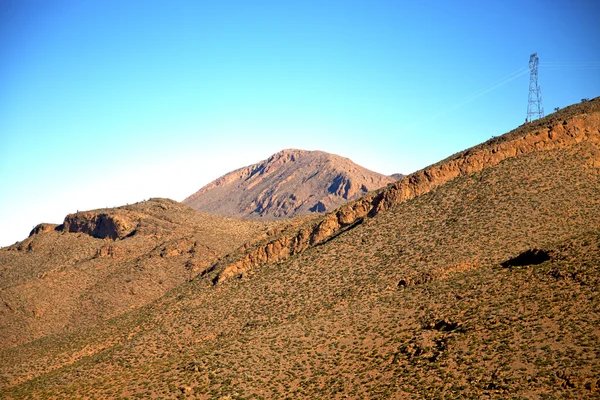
point(289, 183)
point(476, 277)
point(101, 263)
point(549, 134)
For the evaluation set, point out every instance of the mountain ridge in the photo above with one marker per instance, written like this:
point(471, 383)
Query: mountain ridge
point(552, 134)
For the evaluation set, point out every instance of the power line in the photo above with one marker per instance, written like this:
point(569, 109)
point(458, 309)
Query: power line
point(569, 62)
point(574, 68)
point(486, 89)
point(578, 65)
point(537, 101)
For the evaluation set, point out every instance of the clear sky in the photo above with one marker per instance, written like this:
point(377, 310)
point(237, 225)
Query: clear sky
point(104, 103)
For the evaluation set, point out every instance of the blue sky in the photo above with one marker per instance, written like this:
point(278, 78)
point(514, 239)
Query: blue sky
point(104, 103)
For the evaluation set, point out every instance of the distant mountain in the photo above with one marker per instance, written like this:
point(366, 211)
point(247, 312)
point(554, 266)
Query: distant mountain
point(289, 183)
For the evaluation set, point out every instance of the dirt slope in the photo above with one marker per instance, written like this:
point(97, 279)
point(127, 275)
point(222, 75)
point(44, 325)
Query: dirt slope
point(100, 263)
point(289, 183)
point(476, 277)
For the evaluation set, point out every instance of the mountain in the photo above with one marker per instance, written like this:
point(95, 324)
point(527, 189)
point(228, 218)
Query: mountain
point(475, 277)
point(289, 183)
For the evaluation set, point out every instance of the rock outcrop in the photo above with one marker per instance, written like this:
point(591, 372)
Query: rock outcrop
point(289, 183)
point(43, 228)
point(546, 134)
point(100, 225)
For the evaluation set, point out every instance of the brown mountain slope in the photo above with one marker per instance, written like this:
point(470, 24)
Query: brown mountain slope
point(289, 183)
point(101, 263)
point(573, 125)
point(477, 277)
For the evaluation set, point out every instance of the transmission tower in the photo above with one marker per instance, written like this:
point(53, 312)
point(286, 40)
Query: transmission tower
point(535, 109)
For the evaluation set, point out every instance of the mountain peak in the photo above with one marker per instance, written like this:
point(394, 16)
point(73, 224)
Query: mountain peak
point(290, 182)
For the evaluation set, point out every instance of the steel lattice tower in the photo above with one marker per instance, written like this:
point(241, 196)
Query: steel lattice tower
point(535, 109)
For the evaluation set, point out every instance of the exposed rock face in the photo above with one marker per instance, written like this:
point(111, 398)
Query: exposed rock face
point(42, 228)
point(99, 225)
point(542, 135)
point(289, 183)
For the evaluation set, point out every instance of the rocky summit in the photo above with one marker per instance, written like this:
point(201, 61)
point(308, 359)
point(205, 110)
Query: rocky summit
point(289, 183)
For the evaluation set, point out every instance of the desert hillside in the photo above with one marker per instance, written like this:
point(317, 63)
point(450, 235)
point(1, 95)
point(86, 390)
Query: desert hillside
point(101, 263)
point(289, 183)
point(475, 277)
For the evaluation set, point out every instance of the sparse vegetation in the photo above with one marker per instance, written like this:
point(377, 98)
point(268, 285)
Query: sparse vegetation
point(333, 322)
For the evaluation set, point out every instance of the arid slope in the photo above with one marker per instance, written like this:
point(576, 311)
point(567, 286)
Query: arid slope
point(578, 123)
point(100, 263)
point(289, 183)
point(476, 277)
